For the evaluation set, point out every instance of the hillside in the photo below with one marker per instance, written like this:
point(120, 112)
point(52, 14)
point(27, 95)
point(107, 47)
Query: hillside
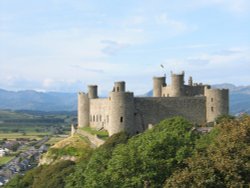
point(72, 148)
point(172, 154)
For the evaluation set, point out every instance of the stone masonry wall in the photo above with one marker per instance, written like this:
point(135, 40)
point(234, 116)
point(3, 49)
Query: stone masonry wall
point(99, 112)
point(153, 110)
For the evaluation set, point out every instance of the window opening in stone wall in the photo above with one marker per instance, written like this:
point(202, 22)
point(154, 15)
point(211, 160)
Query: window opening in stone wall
point(117, 88)
point(90, 118)
point(100, 117)
point(96, 118)
point(121, 119)
point(93, 118)
point(212, 99)
point(212, 109)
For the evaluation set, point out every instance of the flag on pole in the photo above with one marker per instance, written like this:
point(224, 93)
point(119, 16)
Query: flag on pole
point(162, 66)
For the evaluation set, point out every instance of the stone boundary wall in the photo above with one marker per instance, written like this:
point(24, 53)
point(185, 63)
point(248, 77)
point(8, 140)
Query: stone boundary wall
point(93, 139)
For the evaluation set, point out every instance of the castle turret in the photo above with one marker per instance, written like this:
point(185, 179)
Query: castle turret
point(177, 85)
point(119, 86)
point(121, 110)
point(217, 103)
point(158, 83)
point(190, 81)
point(83, 110)
point(92, 91)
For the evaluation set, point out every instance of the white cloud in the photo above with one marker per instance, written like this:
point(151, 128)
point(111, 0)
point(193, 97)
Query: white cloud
point(47, 83)
point(135, 20)
point(112, 47)
point(165, 20)
point(172, 26)
point(234, 6)
point(215, 67)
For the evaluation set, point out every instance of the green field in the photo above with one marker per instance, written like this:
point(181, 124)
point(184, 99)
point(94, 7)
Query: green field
point(30, 135)
point(5, 159)
point(33, 125)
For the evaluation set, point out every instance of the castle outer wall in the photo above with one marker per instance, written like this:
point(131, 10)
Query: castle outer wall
point(121, 111)
point(150, 110)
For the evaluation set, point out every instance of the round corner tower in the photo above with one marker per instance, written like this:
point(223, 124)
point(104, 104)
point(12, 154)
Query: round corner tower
point(217, 103)
point(158, 83)
point(177, 85)
point(83, 110)
point(121, 110)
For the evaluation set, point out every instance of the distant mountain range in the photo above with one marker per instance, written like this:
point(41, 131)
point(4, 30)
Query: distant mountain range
point(57, 101)
point(38, 101)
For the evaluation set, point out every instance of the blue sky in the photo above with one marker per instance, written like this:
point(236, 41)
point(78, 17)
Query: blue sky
point(59, 45)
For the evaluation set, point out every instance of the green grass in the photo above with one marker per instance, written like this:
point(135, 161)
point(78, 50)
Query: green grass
point(5, 159)
point(33, 125)
point(77, 146)
point(31, 135)
point(54, 140)
point(14, 121)
point(7, 114)
point(103, 134)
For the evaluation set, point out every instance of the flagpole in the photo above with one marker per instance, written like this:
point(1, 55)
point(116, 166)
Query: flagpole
point(164, 70)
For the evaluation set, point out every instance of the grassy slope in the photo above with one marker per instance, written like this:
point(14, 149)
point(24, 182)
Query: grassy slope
point(103, 134)
point(72, 148)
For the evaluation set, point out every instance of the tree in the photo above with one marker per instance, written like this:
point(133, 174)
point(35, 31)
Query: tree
point(44, 176)
point(91, 173)
point(223, 162)
point(153, 155)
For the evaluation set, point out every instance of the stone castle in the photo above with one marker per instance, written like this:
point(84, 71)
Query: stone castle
point(122, 111)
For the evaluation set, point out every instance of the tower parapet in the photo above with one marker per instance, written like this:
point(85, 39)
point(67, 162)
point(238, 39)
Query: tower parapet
point(83, 110)
point(92, 91)
point(120, 86)
point(177, 85)
point(216, 103)
point(158, 83)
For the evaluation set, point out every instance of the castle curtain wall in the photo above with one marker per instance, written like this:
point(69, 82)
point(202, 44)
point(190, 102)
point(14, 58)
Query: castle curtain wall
point(153, 110)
